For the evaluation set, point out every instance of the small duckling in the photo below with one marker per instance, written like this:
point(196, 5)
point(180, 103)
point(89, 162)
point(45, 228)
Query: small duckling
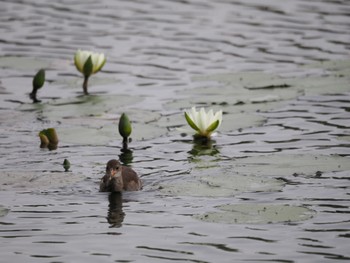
point(119, 178)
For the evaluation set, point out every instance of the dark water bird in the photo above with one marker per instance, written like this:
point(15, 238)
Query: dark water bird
point(119, 178)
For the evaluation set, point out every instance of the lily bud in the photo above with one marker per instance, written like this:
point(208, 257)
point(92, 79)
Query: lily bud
point(52, 135)
point(38, 82)
point(44, 141)
point(48, 138)
point(124, 126)
point(39, 79)
point(66, 165)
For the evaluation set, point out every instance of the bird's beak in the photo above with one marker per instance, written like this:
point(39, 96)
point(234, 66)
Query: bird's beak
point(113, 172)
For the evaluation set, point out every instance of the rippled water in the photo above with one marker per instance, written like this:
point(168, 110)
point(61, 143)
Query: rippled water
point(285, 139)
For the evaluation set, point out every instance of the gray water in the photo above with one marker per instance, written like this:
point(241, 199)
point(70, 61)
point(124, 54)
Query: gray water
point(278, 69)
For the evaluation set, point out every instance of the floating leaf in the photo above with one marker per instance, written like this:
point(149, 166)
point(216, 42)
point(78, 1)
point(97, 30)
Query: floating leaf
point(256, 214)
point(215, 182)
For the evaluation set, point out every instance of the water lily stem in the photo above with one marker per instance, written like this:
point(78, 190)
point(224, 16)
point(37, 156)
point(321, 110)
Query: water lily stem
point(32, 95)
point(85, 85)
point(125, 144)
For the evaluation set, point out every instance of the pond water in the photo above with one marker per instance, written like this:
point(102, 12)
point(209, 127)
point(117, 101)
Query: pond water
point(272, 186)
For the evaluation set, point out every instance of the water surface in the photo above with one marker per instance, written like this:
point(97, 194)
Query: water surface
point(278, 70)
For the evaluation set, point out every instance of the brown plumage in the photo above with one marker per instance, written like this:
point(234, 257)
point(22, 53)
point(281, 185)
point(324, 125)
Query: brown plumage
point(119, 178)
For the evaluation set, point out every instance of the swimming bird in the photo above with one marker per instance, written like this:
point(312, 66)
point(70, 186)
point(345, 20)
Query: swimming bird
point(119, 178)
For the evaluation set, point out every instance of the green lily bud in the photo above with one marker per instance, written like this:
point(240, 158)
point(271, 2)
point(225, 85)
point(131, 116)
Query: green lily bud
point(66, 165)
point(44, 141)
point(39, 79)
point(124, 126)
point(52, 135)
point(48, 138)
point(38, 82)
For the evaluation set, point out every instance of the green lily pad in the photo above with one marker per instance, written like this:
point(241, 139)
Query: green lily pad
point(286, 165)
point(106, 133)
point(23, 63)
point(336, 67)
point(36, 180)
point(248, 80)
point(215, 182)
point(76, 82)
point(83, 106)
point(256, 214)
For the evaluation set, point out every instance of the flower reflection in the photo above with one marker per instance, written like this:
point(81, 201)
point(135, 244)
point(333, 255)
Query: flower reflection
point(201, 148)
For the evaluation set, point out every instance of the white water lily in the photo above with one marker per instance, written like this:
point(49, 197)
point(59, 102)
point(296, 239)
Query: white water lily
point(204, 123)
point(81, 56)
point(88, 63)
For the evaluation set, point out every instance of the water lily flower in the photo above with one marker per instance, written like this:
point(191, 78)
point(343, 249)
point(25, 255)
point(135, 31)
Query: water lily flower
point(204, 123)
point(88, 63)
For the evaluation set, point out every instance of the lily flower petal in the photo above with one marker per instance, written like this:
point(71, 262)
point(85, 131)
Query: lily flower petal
point(203, 123)
point(81, 56)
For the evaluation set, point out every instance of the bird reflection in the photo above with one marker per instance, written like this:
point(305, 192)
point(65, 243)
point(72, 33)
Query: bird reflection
point(115, 210)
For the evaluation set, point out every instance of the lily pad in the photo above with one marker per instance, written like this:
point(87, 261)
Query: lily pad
point(286, 164)
point(76, 82)
point(23, 63)
point(37, 180)
point(93, 105)
point(106, 133)
point(248, 80)
point(256, 214)
point(336, 67)
point(214, 182)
